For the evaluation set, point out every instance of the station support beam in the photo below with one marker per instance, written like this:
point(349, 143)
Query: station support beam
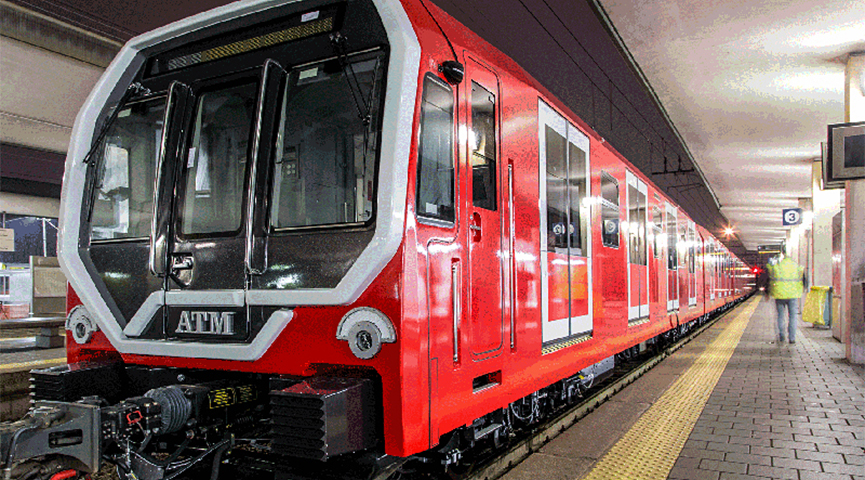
point(826, 261)
point(854, 221)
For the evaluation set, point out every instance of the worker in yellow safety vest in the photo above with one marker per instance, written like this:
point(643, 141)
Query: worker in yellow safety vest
point(786, 284)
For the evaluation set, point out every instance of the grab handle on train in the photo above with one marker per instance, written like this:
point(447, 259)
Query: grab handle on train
point(475, 227)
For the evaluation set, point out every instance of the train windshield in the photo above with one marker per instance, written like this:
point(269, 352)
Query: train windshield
point(324, 172)
point(123, 201)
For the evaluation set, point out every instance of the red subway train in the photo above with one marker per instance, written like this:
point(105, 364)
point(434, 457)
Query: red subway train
point(331, 227)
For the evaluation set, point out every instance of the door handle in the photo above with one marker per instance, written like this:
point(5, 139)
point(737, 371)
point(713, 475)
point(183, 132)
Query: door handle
point(181, 262)
point(475, 227)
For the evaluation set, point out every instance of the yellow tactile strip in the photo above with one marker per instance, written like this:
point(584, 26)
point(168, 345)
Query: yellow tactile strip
point(17, 367)
point(570, 343)
point(650, 448)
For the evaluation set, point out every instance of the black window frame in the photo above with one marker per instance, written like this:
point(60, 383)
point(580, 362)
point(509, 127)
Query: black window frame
point(429, 81)
point(382, 55)
point(608, 206)
point(198, 91)
point(638, 246)
point(672, 242)
point(657, 229)
point(487, 172)
point(97, 163)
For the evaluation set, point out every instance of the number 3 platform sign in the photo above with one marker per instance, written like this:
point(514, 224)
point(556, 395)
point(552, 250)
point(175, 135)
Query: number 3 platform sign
point(791, 216)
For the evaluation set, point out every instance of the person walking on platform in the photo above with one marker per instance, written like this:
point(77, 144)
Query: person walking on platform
point(786, 284)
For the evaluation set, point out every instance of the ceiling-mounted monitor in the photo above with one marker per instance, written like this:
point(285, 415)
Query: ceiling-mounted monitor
point(844, 158)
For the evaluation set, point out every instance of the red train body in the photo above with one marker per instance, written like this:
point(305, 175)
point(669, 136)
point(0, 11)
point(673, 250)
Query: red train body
point(504, 245)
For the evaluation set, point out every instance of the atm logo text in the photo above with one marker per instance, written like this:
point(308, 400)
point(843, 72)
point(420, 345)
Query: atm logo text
point(206, 323)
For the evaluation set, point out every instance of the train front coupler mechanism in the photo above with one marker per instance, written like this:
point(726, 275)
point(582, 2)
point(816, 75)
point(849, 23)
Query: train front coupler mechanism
point(53, 437)
point(157, 436)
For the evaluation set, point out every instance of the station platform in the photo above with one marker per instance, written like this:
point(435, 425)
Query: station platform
point(732, 404)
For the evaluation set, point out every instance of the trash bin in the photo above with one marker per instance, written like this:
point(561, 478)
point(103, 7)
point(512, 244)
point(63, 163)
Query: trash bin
point(818, 306)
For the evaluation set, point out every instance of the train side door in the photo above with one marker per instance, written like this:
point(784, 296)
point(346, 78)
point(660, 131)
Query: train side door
point(566, 239)
point(672, 259)
point(709, 271)
point(658, 272)
point(694, 249)
point(486, 245)
point(638, 273)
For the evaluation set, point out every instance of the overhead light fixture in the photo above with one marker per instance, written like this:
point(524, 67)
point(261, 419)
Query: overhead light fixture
point(728, 232)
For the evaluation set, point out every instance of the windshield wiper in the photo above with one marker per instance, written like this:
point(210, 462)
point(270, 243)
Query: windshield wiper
point(364, 109)
point(133, 89)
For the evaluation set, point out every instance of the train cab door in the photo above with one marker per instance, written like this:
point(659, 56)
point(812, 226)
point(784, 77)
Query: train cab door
point(486, 238)
point(638, 271)
point(672, 258)
point(201, 234)
point(206, 241)
point(566, 239)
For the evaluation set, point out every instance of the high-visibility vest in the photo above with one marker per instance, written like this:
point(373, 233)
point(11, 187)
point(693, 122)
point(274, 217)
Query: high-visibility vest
point(786, 279)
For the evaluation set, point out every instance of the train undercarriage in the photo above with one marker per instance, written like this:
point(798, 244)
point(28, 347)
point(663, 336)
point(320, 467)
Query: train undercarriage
point(197, 424)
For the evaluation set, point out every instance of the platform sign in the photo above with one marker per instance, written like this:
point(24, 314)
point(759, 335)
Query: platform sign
point(791, 216)
point(7, 240)
point(770, 249)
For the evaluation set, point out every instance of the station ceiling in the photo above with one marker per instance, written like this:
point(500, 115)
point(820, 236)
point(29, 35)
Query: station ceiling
point(723, 104)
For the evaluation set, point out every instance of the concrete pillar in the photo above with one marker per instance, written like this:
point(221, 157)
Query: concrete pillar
point(805, 236)
point(854, 221)
point(791, 244)
point(825, 204)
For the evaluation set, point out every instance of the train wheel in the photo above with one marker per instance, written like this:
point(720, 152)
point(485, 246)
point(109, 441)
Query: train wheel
point(460, 471)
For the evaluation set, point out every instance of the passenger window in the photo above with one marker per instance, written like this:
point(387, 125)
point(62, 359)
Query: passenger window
point(672, 243)
point(325, 159)
point(577, 190)
point(636, 225)
point(557, 193)
point(123, 197)
point(692, 249)
point(566, 189)
point(435, 169)
point(482, 142)
point(609, 210)
point(657, 231)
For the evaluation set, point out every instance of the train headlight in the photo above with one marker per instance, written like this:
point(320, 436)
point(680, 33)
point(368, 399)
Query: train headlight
point(365, 329)
point(81, 324)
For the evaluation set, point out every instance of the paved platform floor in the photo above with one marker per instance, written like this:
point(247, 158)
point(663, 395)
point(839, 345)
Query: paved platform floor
point(777, 411)
point(13, 359)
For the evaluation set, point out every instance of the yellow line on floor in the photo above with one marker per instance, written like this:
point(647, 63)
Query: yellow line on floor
point(17, 367)
point(650, 448)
